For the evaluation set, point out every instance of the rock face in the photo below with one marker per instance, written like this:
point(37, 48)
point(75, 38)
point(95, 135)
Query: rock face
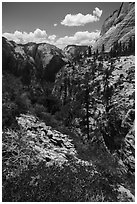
point(117, 117)
point(120, 26)
point(48, 59)
point(129, 150)
point(40, 60)
point(72, 51)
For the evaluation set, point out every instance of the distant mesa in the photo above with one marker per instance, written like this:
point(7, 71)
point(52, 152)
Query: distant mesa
point(74, 51)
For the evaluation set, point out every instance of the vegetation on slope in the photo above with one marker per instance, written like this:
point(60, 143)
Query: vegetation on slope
point(92, 102)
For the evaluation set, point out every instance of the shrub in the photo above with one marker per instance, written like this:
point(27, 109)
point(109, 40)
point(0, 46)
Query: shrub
point(70, 183)
point(12, 89)
point(9, 111)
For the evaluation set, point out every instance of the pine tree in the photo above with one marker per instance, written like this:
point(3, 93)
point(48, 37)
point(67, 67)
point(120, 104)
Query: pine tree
point(111, 52)
point(97, 53)
point(119, 48)
point(89, 51)
point(133, 45)
point(103, 48)
point(87, 101)
point(130, 46)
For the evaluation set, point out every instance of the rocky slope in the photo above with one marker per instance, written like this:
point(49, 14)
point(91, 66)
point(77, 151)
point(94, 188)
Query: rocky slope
point(40, 61)
point(43, 160)
point(37, 155)
point(114, 104)
point(40, 142)
point(120, 26)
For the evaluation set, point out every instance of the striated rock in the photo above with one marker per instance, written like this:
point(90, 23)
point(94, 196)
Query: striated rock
point(120, 26)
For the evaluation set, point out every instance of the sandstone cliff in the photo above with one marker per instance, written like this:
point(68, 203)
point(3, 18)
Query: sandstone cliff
point(42, 61)
point(73, 51)
point(120, 26)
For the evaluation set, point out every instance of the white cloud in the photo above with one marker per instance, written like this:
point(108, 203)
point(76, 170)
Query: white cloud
point(41, 36)
point(55, 24)
point(40, 33)
point(52, 37)
point(79, 38)
point(97, 12)
point(37, 36)
point(80, 19)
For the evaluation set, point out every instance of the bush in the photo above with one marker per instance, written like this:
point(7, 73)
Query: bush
point(42, 113)
point(51, 103)
point(9, 111)
point(70, 183)
point(39, 109)
point(12, 104)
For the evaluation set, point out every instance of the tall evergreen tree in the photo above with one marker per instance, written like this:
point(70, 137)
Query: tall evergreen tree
point(119, 49)
point(89, 51)
point(103, 48)
point(97, 53)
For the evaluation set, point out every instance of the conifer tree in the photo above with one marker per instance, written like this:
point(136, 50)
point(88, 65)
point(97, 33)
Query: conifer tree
point(103, 48)
point(89, 51)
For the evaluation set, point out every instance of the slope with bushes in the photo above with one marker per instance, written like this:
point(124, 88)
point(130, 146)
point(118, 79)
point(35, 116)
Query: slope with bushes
point(75, 135)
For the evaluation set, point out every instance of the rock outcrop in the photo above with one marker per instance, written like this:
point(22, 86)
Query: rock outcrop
point(38, 143)
point(48, 144)
point(41, 61)
point(74, 51)
point(128, 152)
point(120, 26)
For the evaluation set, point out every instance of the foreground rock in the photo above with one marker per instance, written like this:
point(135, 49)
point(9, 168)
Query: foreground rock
point(37, 143)
point(40, 145)
point(48, 144)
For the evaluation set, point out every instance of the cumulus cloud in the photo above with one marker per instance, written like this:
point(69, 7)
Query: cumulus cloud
point(41, 36)
point(52, 37)
point(37, 36)
point(80, 19)
point(97, 12)
point(40, 33)
point(79, 38)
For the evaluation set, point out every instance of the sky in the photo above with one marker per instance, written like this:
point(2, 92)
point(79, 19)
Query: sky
point(58, 23)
